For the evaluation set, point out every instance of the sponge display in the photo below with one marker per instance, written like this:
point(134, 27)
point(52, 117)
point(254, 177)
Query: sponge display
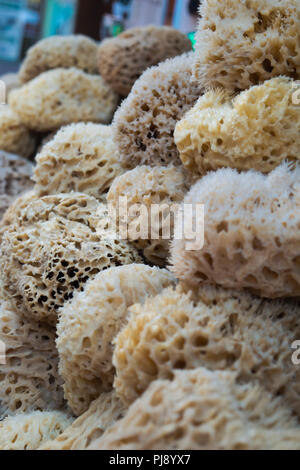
point(15, 137)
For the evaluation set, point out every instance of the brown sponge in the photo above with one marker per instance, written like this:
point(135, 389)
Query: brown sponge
point(243, 43)
point(15, 137)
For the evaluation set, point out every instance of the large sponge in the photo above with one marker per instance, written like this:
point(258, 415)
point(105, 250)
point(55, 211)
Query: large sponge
point(145, 122)
point(62, 96)
point(124, 58)
point(15, 137)
point(80, 157)
point(88, 325)
point(251, 233)
point(59, 51)
point(245, 42)
point(258, 129)
point(53, 248)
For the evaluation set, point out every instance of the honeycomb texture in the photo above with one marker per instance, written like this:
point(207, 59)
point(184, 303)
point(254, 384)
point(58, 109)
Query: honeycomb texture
point(144, 123)
point(29, 380)
point(11, 81)
point(219, 330)
point(30, 431)
point(14, 135)
point(258, 129)
point(62, 96)
point(203, 410)
point(250, 235)
point(124, 58)
point(59, 51)
point(88, 325)
point(147, 186)
point(81, 157)
point(52, 249)
point(14, 211)
point(245, 42)
point(102, 414)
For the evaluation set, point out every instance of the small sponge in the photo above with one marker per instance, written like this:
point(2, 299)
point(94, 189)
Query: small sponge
point(30, 431)
point(59, 51)
point(88, 325)
point(14, 211)
point(14, 135)
point(251, 233)
point(203, 410)
point(145, 122)
point(62, 96)
point(80, 157)
point(124, 58)
point(258, 129)
point(245, 42)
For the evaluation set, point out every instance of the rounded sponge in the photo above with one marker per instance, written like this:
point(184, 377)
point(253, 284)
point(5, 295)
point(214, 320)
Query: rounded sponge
point(15, 137)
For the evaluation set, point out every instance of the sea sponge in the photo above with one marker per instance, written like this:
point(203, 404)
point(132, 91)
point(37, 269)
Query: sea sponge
point(15, 137)
point(11, 81)
point(245, 42)
point(203, 410)
point(80, 157)
point(62, 96)
point(60, 51)
point(145, 188)
point(124, 58)
point(212, 328)
point(88, 325)
point(52, 249)
point(29, 379)
point(14, 211)
point(258, 129)
point(102, 414)
point(144, 123)
point(30, 431)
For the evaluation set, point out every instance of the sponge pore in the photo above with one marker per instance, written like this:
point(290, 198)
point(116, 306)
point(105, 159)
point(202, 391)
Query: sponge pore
point(15, 137)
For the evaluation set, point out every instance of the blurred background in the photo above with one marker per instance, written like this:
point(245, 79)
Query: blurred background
point(24, 22)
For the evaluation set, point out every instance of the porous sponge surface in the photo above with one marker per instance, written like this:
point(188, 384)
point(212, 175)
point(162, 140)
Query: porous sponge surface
point(15, 137)
point(241, 43)
point(14, 210)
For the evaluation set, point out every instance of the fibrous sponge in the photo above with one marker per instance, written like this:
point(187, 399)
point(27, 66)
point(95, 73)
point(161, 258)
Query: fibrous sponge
point(88, 325)
point(203, 410)
point(124, 58)
point(53, 248)
point(59, 51)
point(30, 431)
point(62, 96)
point(80, 157)
point(245, 42)
point(15, 137)
point(213, 328)
point(258, 129)
point(144, 123)
point(251, 233)
point(14, 211)
point(152, 196)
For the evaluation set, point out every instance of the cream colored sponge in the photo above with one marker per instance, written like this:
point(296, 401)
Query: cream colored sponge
point(15, 137)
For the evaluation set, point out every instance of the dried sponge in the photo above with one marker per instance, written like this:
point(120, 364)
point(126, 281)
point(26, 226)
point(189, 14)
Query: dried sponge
point(88, 325)
point(52, 249)
point(14, 211)
point(30, 431)
point(14, 135)
point(62, 96)
point(124, 58)
point(102, 414)
point(203, 410)
point(258, 129)
point(213, 328)
point(144, 123)
point(147, 190)
point(80, 157)
point(251, 233)
point(59, 51)
point(245, 42)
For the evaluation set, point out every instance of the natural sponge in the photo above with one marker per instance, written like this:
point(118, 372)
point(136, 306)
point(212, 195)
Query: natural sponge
point(52, 249)
point(88, 325)
point(245, 42)
point(258, 129)
point(30, 431)
point(14, 211)
point(14, 135)
point(251, 233)
point(59, 51)
point(62, 96)
point(124, 58)
point(145, 122)
point(80, 157)
point(203, 410)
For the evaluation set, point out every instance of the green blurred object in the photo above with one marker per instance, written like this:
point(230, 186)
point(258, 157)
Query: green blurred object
point(192, 38)
point(59, 17)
